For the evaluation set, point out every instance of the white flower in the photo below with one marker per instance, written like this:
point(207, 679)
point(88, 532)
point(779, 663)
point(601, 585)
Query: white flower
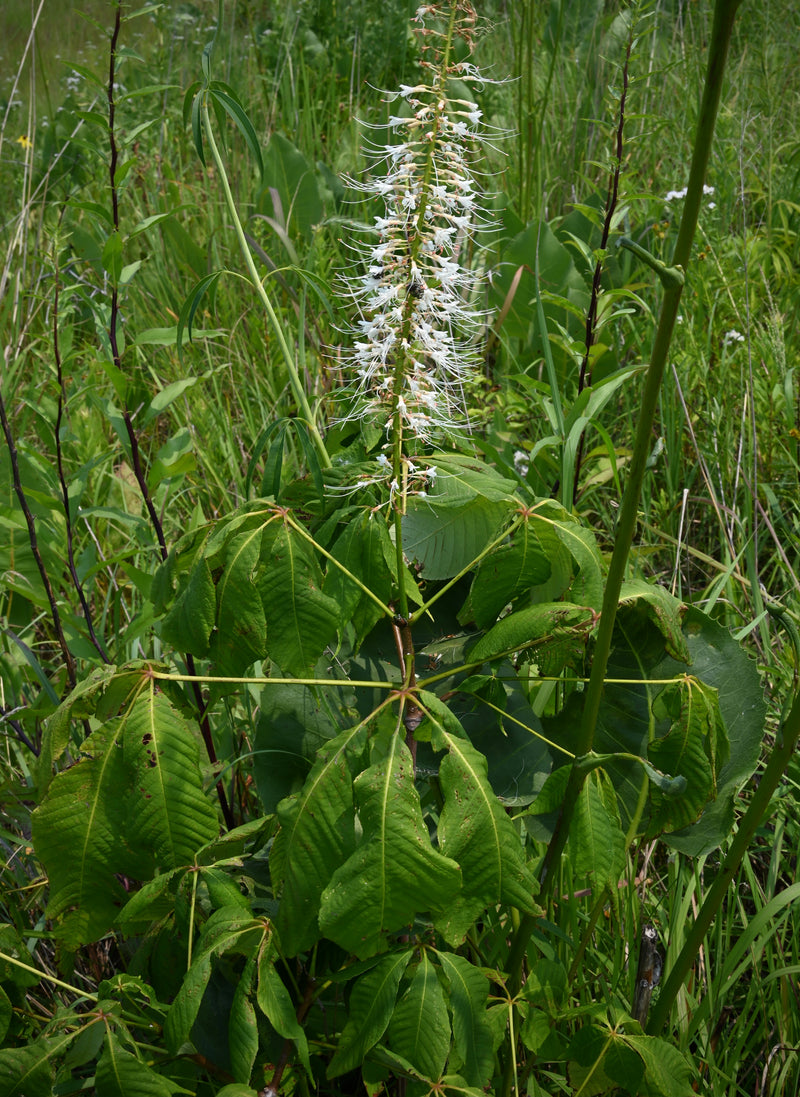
point(732, 336)
point(522, 462)
point(412, 353)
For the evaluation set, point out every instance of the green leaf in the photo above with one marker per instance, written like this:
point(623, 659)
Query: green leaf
point(587, 1052)
point(469, 991)
point(394, 873)
point(685, 750)
point(6, 1012)
point(301, 620)
point(719, 661)
point(289, 176)
point(420, 1027)
point(188, 625)
point(227, 98)
point(371, 1005)
point(111, 257)
point(192, 303)
point(240, 635)
point(634, 717)
point(276, 1004)
point(559, 279)
point(122, 1074)
point(470, 476)
point(57, 729)
point(667, 1072)
point(153, 900)
point(665, 611)
point(242, 1027)
point(169, 812)
point(506, 573)
point(449, 528)
point(134, 800)
point(170, 393)
point(475, 831)
point(293, 725)
point(77, 834)
point(596, 839)
point(559, 625)
point(317, 835)
point(28, 1071)
point(362, 549)
point(587, 586)
point(228, 930)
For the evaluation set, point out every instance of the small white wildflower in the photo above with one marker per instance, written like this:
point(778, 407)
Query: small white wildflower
point(732, 336)
point(672, 195)
point(522, 462)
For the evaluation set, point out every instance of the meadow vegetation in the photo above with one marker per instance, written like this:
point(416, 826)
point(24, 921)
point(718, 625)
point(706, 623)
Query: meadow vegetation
point(357, 718)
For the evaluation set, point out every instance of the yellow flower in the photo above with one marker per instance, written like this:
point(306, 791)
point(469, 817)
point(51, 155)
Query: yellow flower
point(25, 142)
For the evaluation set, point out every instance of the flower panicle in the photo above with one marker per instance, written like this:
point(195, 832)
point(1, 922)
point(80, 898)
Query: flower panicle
point(412, 351)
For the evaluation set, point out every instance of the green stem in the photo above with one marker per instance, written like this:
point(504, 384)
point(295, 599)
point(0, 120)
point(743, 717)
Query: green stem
point(294, 377)
point(782, 754)
point(724, 16)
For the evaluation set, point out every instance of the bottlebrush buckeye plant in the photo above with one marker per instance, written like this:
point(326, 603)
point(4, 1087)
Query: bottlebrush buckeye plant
point(390, 656)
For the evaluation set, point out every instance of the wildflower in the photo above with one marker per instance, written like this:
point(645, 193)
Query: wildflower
point(413, 354)
point(522, 462)
point(674, 195)
point(25, 142)
point(732, 336)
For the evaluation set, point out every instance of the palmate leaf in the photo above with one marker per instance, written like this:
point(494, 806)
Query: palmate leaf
point(475, 831)
point(188, 624)
point(133, 802)
point(719, 661)
point(419, 1030)
point(371, 1005)
point(363, 548)
point(317, 835)
point(57, 729)
point(301, 619)
point(293, 725)
point(667, 1073)
point(636, 718)
point(394, 873)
